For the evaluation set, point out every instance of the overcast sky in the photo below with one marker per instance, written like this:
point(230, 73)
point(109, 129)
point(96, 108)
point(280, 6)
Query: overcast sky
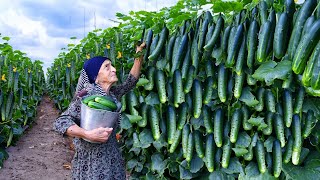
point(41, 28)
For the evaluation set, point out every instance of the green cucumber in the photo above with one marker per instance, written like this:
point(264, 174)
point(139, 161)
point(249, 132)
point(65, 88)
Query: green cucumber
point(226, 153)
point(304, 12)
point(207, 119)
point(277, 158)
point(154, 119)
point(246, 115)
point(197, 98)
point(269, 118)
point(199, 144)
point(287, 107)
point(171, 123)
point(176, 141)
point(178, 96)
point(218, 127)
point(162, 40)
point(288, 151)
point(222, 83)
point(235, 46)
point(252, 43)
point(182, 115)
point(209, 152)
point(207, 94)
point(297, 139)
point(311, 64)
point(260, 156)
point(305, 47)
point(280, 41)
point(239, 80)
point(298, 103)
point(309, 124)
point(270, 100)
point(160, 82)
point(264, 36)
point(279, 129)
point(235, 125)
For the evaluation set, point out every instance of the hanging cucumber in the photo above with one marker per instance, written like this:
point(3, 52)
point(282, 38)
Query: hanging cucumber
point(197, 98)
point(309, 124)
point(235, 46)
point(311, 65)
point(270, 101)
point(239, 80)
point(171, 123)
point(277, 158)
point(222, 83)
point(252, 43)
point(288, 151)
point(226, 153)
point(287, 107)
point(269, 118)
point(176, 141)
point(199, 144)
point(189, 81)
point(207, 94)
point(280, 41)
point(261, 156)
point(207, 119)
point(235, 125)
point(297, 108)
point(154, 119)
point(304, 12)
point(279, 128)
point(297, 140)
point(245, 117)
point(184, 141)
point(182, 115)
point(162, 40)
point(178, 96)
point(305, 47)
point(220, 23)
point(209, 152)
point(160, 82)
point(218, 126)
point(264, 36)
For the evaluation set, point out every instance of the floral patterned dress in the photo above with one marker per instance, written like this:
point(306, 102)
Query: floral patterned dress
point(95, 160)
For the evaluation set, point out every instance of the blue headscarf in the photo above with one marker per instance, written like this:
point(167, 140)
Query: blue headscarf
point(92, 67)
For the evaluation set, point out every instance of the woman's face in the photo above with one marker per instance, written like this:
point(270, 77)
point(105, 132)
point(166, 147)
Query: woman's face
point(107, 73)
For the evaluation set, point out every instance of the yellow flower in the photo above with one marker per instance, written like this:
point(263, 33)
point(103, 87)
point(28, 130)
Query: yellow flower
point(29, 70)
point(108, 46)
point(68, 65)
point(119, 55)
point(88, 56)
point(14, 69)
point(3, 78)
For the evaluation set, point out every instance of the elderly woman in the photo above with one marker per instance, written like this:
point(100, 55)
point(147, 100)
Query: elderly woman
point(101, 160)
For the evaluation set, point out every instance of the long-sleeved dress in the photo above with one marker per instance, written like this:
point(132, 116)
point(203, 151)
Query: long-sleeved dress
point(95, 160)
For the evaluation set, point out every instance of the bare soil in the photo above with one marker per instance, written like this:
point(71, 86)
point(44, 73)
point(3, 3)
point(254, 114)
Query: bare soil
point(41, 153)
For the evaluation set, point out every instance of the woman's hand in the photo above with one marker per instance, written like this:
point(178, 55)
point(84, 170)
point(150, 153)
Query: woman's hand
point(99, 134)
point(141, 47)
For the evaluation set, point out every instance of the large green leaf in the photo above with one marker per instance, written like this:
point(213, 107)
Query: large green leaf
point(269, 143)
point(252, 173)
point(196, 164)
point(158, 163)
point(258, 121)
point(270, 70)
point(184, 172)
point(248, 98)
point(125, 123)
point(234, 167)
point(161, 142)
point(145, 138)
point(240, 151)
point(243, 140)
point(312, 104)
point(311, 169)
point(152, 99)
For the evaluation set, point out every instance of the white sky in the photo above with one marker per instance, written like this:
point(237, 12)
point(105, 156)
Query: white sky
point(42, 28)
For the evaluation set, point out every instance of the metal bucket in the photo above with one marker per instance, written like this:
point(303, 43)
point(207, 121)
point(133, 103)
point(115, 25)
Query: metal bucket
point(95, 118)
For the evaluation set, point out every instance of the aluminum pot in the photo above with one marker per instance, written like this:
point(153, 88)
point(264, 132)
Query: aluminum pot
point(95, 118)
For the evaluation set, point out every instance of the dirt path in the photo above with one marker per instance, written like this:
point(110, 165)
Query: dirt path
point(41, 153)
